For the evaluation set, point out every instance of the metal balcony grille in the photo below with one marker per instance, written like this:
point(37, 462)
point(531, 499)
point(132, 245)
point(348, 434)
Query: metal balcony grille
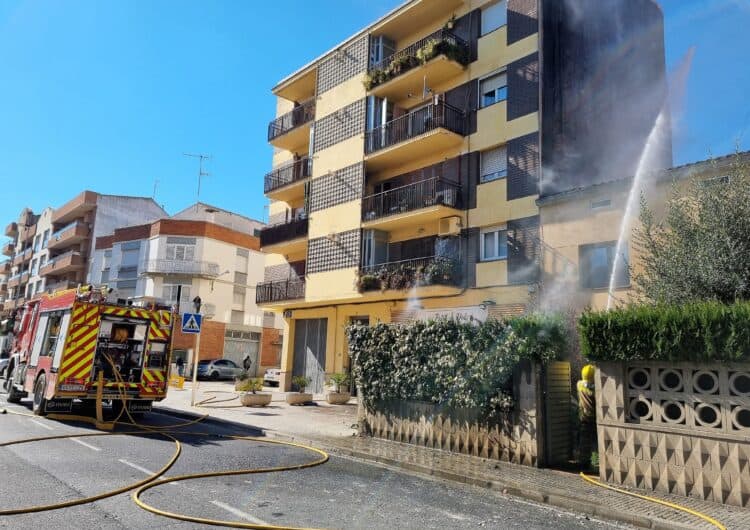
point(434, 116)
point(291, 120)
point(288, 173)
point(439, 37)
point(422, 194)
point(271, 235)
point(188, 268)
point(279, 291)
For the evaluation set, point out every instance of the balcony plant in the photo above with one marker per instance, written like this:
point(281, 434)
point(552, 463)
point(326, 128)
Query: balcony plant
point(338, 396)
point(300, 397)
point(250, 395)
point(439, 271)
point(367, 282)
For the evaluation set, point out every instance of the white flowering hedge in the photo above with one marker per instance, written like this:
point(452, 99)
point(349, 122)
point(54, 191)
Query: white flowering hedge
point(454, 363)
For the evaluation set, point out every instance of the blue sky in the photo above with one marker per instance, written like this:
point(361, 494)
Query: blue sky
point(107, 95)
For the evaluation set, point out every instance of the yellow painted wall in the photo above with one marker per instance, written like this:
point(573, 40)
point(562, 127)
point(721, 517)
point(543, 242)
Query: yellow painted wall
point(492, 273)
point(493, 207)
point(494, 53)
point(336, 219)
point(338, 156)
point(330, 285)
point(493, 129)
point(340, 96)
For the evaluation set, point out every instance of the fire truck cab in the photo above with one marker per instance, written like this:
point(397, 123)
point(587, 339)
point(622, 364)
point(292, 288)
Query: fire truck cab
point(70, 340)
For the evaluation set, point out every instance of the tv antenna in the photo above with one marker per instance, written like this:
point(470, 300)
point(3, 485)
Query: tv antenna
point(201, 157)
point(156, 183)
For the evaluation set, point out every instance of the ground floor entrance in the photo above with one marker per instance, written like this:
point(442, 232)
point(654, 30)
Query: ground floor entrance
point(310, 336)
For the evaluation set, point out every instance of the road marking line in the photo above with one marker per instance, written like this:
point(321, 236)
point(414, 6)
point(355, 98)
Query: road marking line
point(92, 447)
point(42, 425)
point(141, 469)
point(239, 513)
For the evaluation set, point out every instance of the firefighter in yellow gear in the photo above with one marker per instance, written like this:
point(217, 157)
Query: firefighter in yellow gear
point(586, 415)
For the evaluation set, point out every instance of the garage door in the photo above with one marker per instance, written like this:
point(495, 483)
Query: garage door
point(310, 351)
point(239, 344)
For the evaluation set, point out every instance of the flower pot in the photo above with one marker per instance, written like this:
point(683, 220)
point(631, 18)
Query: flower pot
point(298, 398)
point(248, 399)
point(338, 398)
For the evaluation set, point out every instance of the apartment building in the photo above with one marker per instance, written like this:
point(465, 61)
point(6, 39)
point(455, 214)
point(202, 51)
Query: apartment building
point(201, 251)
point(50, 251)
point(408, 159)
point(581, 229)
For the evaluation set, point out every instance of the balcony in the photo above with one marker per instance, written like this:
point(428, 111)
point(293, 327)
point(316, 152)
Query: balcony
point(13, 303)
point(422, 132)
point(279, 291)
point(287, 238)
point(71, 234)
point(292, 131)
point(3, 286)
point(11, 230)
point(417, 203)
point(438, 57)
point(202, 269)
point(75, 208)
point(5, 267)
point(8, 249)
point(23, 257)
point(14, 281)
point(287, 181)
point(68, 262)
point(406, 274)
point(60, 286)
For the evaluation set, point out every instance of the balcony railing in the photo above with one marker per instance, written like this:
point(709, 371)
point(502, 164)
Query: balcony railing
point(441, 42)
point(291, 120)
point(172, 266)
point(7, 249)
point(279, 291)
point(422, 194)
point(434, 116)
point(59, 233)
point(271, 235)
point(64, 262)
point(408, 273)
point(288, 173)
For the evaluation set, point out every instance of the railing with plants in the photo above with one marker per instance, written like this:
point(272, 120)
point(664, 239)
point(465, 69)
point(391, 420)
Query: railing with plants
point(428, 118)
point(291, 120)
point(422, 194)
point(442, 42)
point(288, 173)
point(288, 231)
point(405, 274)
point(279, 291)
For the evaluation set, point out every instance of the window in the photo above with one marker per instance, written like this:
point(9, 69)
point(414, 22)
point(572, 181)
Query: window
point(42, 260)
point(595, 265)
point(45, 238)
point(493, 89)
point(106, 259)
point(50, 340)
point(39, 286)
point(240, 277)
point(494, 164)
point(494, 16)
point(34, 267)
point(241, 260)
point(494, 244)
point(129, 253)
point(37, 242)
point(181, 248)
point(169, 293)
point(238, 297)
point(238, 317)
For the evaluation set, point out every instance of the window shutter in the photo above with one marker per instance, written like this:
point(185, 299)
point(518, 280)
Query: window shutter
point(494, 161)
point(494, 82)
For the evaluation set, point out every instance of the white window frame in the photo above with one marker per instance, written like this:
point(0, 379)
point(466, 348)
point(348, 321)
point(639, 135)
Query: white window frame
point(482, 30)
point(496, 230)
point(480, 93)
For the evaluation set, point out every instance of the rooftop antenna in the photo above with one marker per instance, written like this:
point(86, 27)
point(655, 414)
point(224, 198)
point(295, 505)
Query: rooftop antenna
point(156, 183)
point(201, 157)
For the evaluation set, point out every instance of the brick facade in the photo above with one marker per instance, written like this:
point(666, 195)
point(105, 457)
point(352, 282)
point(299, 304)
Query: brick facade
point(212, 340)
point(270, 347)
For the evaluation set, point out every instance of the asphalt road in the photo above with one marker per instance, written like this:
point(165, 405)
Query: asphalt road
point(342, 493)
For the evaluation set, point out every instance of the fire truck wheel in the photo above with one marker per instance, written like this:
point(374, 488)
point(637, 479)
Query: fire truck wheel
point(14, 396)
point(40, 403)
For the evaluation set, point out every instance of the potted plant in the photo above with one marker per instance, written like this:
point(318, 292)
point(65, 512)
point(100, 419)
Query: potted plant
point(368, 282)
point(250, 396)
point(300, 397)
point(239, 381)
point(338, 396)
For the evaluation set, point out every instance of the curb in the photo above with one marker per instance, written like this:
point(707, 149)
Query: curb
point(552, 496)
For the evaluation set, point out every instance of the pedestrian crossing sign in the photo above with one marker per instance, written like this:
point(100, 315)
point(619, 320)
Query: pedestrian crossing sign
point(191, 322)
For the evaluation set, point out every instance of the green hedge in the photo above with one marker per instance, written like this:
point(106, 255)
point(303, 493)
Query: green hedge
point(455, 363)
point(707, 331)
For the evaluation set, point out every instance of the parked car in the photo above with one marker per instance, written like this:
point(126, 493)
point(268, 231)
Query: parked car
point(272, 377)
point(4, 358)
point(218, 369)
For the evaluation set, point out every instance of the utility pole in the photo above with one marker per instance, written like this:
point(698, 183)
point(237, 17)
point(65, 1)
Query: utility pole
point(201, 157)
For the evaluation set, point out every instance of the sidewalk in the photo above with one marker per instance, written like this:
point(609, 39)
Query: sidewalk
point(333, 428)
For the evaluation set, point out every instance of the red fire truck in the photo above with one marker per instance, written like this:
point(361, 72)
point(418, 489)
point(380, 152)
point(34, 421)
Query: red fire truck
point(67, 339)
